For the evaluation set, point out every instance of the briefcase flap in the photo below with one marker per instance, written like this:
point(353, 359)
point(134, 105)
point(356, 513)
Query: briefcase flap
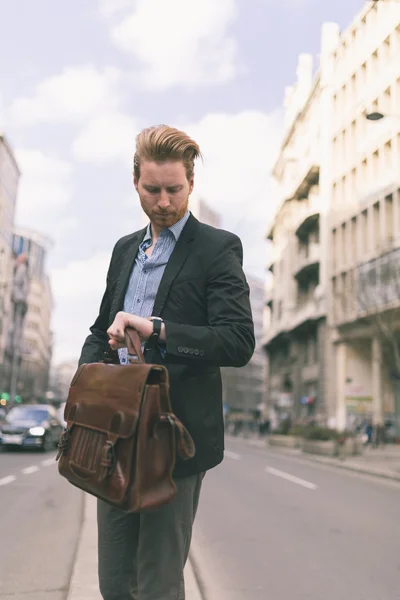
point(107, 397)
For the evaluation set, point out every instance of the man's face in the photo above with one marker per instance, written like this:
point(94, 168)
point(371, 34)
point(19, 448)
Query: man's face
point(164, 191)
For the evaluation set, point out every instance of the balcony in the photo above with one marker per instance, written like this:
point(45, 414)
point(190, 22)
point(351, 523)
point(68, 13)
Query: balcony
point(308, 216)
point(313, 310)
point(308, 261)
point(272, 257)
point(306, 175)
point(276, 328)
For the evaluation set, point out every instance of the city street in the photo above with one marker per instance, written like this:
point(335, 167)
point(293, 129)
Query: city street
point(278, 527)
point(40, 517)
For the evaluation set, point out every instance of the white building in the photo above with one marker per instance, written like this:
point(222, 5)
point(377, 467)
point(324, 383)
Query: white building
point(203, 211)
point(37, 339)
point(9, 178)
point(357, 206)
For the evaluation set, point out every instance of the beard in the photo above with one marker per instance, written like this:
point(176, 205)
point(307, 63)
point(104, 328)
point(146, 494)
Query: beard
point(167, 218)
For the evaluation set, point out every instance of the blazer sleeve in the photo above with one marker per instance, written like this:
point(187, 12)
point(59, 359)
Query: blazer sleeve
point(97, 342)
point(228, 339)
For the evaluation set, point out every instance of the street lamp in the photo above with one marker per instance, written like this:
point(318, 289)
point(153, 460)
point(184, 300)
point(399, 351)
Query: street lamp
point(377, 116)
point(374, 116)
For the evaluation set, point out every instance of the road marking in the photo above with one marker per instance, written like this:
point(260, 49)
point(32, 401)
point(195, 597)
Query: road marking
point(233, 455)
point(292, 478)
point(8, 479)
point(29, 470)
point(48, 462)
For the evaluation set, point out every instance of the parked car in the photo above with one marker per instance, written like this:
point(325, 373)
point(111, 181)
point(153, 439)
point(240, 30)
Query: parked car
point(31, 426)
point(60, 413)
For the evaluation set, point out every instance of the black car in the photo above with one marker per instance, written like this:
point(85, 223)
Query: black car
point(31, 426)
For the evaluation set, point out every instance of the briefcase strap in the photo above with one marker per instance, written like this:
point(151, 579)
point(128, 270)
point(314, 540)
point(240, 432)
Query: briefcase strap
point(186, 447)
point(134, 346)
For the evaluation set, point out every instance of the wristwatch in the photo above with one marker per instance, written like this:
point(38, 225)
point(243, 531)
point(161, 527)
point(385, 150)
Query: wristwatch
point(157, 323)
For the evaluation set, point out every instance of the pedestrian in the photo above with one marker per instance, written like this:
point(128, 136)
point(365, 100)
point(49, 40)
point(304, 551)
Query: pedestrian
point(181, 283)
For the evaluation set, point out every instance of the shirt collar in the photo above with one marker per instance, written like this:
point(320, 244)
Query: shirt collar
point(175, 229)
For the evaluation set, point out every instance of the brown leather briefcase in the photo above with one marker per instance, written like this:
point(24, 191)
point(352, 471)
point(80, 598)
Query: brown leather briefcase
point(121, 436)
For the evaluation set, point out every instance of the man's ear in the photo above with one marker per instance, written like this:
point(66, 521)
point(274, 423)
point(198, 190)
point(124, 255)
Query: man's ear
point(136, 183)
point(191, 185)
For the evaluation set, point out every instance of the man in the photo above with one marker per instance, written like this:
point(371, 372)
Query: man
point(189, 276)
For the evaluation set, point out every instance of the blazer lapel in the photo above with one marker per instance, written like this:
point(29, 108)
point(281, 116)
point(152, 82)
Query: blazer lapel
point(175, 263)
point(125, 273)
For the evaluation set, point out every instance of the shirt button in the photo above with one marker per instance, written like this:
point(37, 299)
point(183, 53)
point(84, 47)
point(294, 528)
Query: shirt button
point(138, 300)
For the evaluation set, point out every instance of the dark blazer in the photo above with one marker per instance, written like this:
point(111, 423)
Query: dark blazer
point(204, 300)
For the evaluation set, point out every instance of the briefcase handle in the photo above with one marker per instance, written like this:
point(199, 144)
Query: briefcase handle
point(134, 346)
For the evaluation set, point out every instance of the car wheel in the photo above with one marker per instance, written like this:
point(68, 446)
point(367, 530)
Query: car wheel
point(46, 444)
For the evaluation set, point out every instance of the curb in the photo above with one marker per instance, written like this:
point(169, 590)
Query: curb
point(391, 475)
point(84, 583)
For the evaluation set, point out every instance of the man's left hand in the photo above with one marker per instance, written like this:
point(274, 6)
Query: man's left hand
point(122, 321)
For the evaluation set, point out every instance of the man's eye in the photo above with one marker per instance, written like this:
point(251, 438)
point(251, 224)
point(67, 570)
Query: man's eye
point(173, 190)
point(153, 190)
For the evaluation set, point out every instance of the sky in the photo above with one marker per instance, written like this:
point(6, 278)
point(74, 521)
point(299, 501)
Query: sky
point(79, 80)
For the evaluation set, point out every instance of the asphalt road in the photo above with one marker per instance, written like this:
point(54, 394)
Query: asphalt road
point(276, 527)
point(40, 518)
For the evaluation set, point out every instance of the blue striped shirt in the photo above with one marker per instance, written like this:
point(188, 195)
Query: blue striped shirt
point(147, 273)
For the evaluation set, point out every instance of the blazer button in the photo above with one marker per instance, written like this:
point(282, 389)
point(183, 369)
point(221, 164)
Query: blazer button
point(180, 348)
point(201, 352)
point(186, 350)
point(196, 351)
point(191, 350)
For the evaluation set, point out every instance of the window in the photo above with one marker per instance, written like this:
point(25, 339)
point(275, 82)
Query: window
point(375, 62)
point(375, 163)
point(387, 100)
point(344, 245)
point(389, 217)
point(387, 154)
point(376, 221)
point(387, 47)
point(335, 298)
point(363, 74)
point(353, 245)
point(364, 232)
point(343, 294)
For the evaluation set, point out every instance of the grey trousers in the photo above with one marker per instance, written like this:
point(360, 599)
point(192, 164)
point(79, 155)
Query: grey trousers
point(142, 556)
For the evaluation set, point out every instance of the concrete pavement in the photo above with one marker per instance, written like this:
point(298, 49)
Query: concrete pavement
point(40, 518)
point(84, 584)
point(379, 462)
point(280, 527)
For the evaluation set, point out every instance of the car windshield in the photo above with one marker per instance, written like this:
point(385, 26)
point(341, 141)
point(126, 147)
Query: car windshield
point(20, 414)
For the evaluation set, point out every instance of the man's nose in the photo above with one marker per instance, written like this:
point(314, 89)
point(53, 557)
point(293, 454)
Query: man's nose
point(163, 201)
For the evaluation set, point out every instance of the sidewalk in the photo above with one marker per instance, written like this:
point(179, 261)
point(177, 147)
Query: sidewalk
point(378, 462)
point(84, 584)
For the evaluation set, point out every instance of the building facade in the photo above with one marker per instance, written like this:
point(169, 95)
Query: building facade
point(244, 387)
point(364, 181)
point(9, 178)
point(37, 338)
point(295, 331)
point(203, 211)
point(336, 238)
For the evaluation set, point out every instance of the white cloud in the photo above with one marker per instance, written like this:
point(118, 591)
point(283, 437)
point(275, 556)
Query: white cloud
point(239, 151)
point(180, 42)
point(76, 312)
point(69, 97)
point(107, 136)
point(45, 188)
point(109, 8)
